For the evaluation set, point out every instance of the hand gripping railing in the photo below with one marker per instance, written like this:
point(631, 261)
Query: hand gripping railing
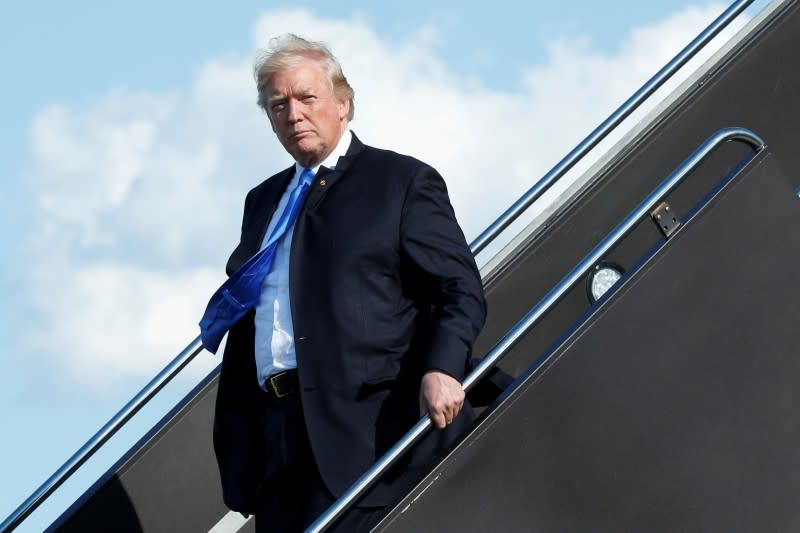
point(536, 313)
point(477, 245)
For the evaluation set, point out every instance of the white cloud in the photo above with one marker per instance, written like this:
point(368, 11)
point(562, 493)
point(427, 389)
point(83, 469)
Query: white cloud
point(139, 195)
point(112, 321)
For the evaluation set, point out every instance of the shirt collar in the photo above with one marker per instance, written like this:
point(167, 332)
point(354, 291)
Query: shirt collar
point(333, 158)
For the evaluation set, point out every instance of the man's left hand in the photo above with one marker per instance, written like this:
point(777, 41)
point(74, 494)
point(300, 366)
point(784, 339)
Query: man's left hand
point(441, 396)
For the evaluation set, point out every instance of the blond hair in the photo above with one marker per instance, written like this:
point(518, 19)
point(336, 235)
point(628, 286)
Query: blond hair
point(289, 50)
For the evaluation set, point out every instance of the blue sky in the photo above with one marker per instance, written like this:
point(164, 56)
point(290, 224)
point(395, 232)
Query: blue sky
point(130, 136)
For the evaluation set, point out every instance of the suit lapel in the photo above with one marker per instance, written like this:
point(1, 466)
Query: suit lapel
point(326, 178)
point(265, 209)
point(266, 201)
point(257, 218)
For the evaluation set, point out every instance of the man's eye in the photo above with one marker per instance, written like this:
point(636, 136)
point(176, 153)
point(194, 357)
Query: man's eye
point(276, 108)
point(309, 98)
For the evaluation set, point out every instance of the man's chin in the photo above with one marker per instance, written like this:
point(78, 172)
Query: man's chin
point(305, 154)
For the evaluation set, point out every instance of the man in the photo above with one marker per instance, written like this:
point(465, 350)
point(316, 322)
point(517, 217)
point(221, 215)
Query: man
point(365, 319)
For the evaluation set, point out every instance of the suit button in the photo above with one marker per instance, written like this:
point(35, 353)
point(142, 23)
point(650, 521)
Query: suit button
point(323, 182)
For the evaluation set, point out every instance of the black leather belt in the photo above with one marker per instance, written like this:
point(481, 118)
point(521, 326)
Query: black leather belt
point(283, 383)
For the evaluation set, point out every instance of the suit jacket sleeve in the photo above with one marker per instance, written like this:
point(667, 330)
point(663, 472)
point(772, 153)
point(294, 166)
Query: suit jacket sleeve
point(444, 271)
point(235, 437)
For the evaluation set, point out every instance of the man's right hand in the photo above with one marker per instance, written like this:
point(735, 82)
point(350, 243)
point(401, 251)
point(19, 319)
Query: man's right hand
point(441, 396)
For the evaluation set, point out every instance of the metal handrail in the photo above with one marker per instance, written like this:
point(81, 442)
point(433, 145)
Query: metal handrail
point(630, 105)
point(532, 317)
point(99, 438)
point(477, 245)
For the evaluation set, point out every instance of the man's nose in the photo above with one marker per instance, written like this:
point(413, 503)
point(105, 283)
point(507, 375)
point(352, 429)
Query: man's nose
point(293, 111)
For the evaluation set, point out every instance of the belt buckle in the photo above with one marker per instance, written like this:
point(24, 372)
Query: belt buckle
point(273, 383)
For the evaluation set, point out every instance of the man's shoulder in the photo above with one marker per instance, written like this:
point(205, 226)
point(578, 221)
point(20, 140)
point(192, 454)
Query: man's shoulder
point(392, 160)
point(269, 185)
point(274, 180)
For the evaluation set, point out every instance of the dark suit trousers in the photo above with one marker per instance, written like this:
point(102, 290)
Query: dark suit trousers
point(291, 494)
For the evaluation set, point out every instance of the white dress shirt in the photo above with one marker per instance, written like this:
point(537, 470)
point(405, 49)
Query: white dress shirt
point(274, 342)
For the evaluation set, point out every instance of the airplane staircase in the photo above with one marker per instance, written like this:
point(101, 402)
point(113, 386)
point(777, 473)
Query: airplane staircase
point(665, 405)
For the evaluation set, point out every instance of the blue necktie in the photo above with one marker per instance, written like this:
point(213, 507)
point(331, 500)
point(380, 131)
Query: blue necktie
point(242, 290)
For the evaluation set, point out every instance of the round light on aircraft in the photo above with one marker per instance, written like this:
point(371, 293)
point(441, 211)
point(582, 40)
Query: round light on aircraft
point(601, 279)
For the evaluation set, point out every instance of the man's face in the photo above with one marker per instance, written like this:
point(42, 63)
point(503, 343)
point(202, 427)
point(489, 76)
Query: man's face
point(307, 118)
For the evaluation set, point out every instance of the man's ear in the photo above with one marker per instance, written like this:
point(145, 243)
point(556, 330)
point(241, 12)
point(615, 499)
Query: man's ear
point(344, 108)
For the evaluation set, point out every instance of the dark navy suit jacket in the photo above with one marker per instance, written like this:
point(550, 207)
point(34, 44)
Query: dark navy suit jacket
point(383, 288)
